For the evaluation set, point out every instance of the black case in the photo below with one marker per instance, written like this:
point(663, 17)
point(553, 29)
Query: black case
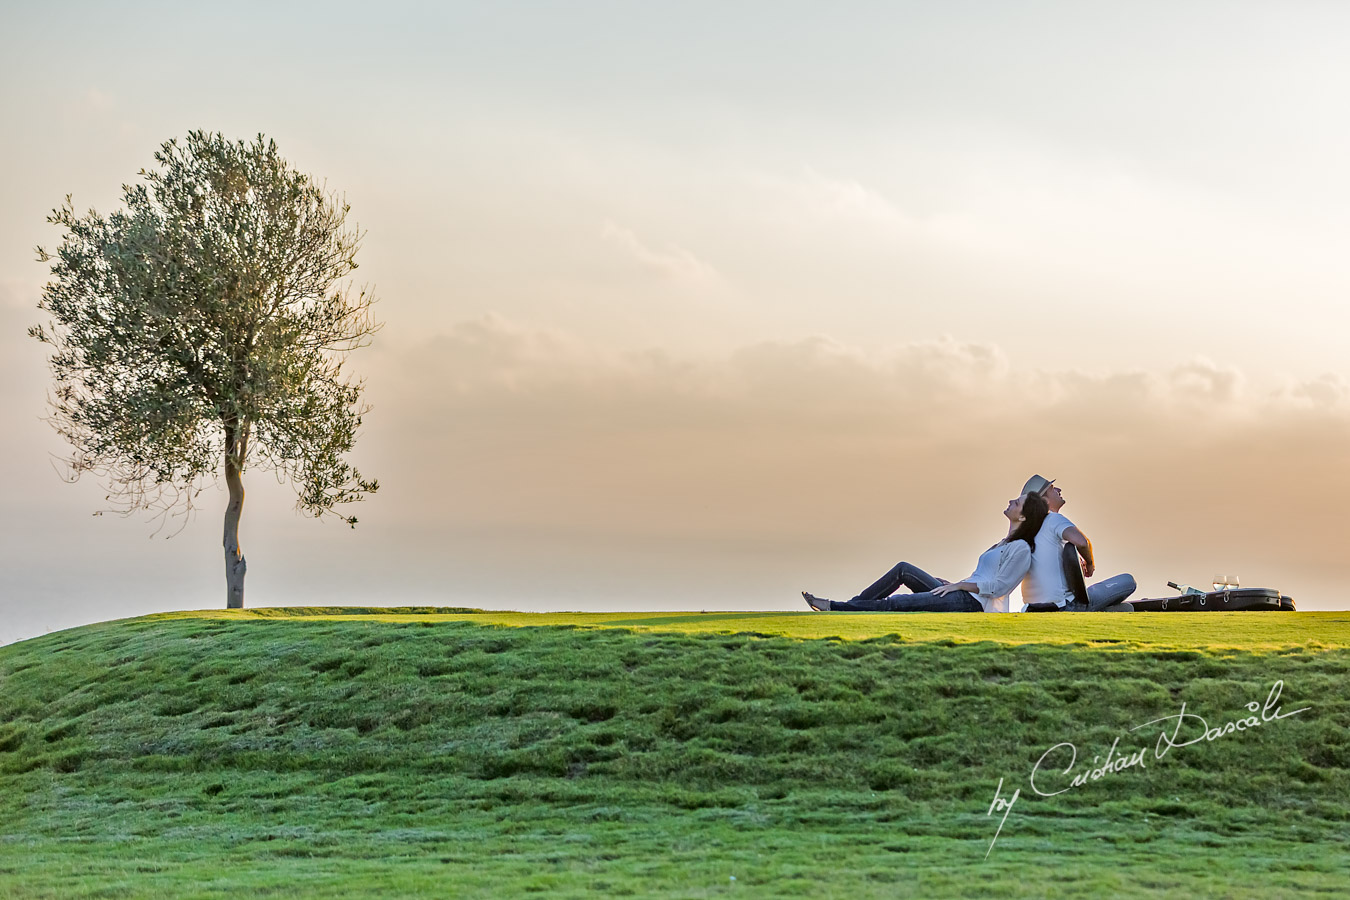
point(1234, 600)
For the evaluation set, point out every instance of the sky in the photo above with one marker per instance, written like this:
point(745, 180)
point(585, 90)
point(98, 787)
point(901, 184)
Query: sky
point(699, 305)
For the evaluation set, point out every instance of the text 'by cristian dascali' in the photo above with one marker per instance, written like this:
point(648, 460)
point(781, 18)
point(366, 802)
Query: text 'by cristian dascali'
point(1179, 730)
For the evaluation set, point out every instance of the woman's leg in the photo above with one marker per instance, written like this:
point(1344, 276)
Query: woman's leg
point(925, 601)
point(902, 575)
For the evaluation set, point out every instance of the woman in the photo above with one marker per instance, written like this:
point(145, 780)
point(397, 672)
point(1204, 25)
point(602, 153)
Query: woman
point(1000, 569)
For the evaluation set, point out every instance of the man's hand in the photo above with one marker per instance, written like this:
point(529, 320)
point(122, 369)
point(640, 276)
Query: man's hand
point(1088, 567)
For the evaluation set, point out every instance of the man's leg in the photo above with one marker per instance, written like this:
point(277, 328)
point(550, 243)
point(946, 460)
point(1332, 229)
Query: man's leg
point(1110, 591)
point(925, 601)
point(902, 575)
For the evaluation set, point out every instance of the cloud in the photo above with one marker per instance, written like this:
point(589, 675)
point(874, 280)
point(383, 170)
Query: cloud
point(843, 199)
point(673, 262)
point(1325, 392)
point(817, 380)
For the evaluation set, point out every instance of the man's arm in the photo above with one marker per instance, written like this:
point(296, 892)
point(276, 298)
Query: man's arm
point(1079, 540)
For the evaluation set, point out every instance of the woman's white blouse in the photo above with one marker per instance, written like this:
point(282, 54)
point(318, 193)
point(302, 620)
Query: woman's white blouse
point(1000, 569)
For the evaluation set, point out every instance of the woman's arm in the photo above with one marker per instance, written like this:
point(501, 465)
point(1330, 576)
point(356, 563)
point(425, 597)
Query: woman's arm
point(943, 589)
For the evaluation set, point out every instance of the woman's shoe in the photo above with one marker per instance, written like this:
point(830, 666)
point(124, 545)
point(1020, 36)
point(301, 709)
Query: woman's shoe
point(816, 603)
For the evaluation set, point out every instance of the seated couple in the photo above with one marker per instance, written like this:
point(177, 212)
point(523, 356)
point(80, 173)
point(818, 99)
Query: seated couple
point(1030, 556)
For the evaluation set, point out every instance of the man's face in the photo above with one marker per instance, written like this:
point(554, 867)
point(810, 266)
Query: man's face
point(1054, 498)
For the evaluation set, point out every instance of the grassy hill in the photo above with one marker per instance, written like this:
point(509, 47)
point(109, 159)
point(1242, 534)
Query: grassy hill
point(344, 752)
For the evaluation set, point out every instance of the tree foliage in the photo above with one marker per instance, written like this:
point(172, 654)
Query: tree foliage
point(207, 325)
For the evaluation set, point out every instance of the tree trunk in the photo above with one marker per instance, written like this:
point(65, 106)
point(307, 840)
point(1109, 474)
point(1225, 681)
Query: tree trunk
point(235, 566)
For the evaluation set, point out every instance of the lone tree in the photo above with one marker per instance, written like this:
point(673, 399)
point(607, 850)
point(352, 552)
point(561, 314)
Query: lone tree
point(205, 326)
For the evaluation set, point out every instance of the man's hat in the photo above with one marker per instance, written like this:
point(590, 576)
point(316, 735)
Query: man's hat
point(1037, 484)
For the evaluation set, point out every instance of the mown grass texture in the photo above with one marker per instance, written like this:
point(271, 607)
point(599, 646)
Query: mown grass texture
point(357, 753)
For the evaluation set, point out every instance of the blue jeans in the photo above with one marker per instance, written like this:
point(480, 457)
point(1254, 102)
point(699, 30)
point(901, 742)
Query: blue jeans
point(880, 596)
point(1109, 591)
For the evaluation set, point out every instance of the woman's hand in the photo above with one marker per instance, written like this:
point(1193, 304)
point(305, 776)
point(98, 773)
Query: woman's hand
point(943, 590)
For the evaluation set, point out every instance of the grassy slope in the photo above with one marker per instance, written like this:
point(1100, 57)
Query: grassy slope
point(296, 752)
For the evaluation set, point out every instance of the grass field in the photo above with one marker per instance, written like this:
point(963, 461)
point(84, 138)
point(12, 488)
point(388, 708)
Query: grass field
point(410, 752)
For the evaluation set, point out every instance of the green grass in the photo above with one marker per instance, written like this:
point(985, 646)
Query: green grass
point(417, 752)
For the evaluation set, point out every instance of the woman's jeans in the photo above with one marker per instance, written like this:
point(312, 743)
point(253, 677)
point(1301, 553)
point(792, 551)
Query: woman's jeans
point(880, 596)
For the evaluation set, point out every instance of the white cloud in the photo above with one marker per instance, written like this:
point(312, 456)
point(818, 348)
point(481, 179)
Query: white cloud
point(673, 261)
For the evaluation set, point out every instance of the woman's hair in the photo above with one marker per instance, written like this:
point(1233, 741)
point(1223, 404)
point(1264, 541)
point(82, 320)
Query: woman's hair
point(1035, 509)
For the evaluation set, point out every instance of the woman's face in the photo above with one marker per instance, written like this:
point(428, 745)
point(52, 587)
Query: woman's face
point(1014, 510)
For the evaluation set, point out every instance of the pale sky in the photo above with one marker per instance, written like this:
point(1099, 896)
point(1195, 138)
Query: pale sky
point(697, 305)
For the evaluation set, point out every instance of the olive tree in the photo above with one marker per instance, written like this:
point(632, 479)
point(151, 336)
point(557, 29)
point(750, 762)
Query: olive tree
point(203, 329)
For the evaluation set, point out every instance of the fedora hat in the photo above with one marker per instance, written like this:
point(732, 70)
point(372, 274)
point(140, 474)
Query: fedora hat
point(1037, 484)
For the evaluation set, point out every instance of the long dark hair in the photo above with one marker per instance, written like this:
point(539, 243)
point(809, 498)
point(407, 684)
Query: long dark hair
point(1035, 509)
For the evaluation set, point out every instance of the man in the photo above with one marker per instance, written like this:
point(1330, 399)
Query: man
point(1045, 582)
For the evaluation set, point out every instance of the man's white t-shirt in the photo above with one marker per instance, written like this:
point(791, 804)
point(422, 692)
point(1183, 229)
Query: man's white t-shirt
point(1045, 582)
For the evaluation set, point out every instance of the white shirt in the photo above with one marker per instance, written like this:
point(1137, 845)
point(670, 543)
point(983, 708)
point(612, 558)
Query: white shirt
point(1045, 581)
point(999, 570)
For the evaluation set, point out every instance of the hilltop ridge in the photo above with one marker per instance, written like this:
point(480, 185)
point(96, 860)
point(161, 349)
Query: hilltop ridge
point(339, 752)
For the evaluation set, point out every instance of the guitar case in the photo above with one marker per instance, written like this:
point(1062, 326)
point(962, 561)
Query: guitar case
point(1233, 600)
